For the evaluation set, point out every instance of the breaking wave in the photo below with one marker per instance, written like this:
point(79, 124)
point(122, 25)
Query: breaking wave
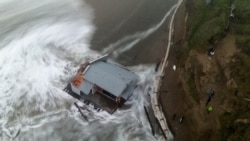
point(42, 44)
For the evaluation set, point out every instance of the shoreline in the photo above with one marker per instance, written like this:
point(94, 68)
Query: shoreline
point(155, 102)
point(172, 97)
point(138, 22)
point(156, 44)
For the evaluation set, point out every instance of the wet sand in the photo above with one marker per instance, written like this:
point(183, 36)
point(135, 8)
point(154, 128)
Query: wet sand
point(176, 102)
point(117, 19)
point(150, 50)
point(173, 98)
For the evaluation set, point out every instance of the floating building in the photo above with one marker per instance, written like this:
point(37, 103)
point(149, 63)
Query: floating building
point(104, 84)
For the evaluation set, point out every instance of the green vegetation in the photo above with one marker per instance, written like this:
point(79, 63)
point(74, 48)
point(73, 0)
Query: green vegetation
point(242, 12)
point(195, 68)
point(244, 44)
point(208, 23)
point(240, 71)
point(241, 28)
point(236, 131)
point(192, 88)
point(241, 25)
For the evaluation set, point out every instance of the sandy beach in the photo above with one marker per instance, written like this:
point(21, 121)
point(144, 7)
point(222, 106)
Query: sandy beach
point(132, 18)
point(127, 19)
point(172, 95)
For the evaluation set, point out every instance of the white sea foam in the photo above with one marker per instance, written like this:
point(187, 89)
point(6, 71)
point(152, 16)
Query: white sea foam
point(40, 51)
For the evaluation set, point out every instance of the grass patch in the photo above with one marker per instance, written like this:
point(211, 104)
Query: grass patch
point(231, 130)
point(243, 43)
point(240, 71)
point(206, 21)
point(192, 88)
point(191, 80)
point(241, 29)
point(236, 131)
point(242, 12)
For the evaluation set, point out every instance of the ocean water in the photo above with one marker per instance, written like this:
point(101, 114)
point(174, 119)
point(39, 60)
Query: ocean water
point(42, 43)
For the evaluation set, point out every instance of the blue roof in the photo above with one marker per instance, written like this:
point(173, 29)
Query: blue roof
point(112, 78)
point(86, 87)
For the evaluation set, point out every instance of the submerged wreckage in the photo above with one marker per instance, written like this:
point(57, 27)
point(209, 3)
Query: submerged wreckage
point(104, 84)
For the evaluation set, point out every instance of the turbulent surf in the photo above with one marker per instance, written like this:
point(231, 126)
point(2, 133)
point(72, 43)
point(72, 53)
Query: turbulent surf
point(42, 45)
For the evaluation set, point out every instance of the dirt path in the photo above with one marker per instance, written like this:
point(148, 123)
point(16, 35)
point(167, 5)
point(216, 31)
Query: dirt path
point(173, 98)
point(213, 72)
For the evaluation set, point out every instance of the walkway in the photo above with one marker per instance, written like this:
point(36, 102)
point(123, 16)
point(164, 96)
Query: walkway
point(154, 99)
